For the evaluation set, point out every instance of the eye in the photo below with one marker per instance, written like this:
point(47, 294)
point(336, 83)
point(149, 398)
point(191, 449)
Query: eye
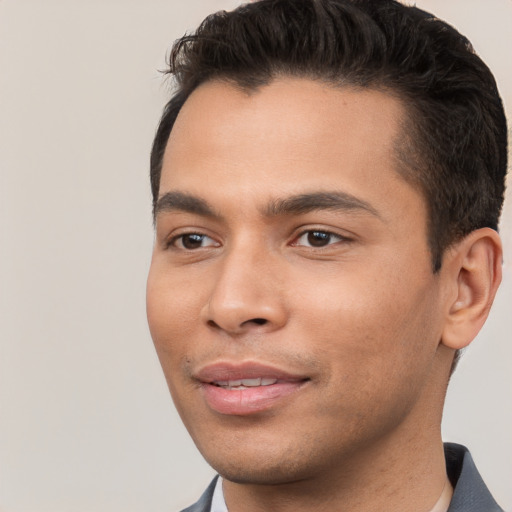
point(190, 241)
point(317, 238)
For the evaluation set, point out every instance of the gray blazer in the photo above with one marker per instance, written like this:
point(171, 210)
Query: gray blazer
point(470, 493)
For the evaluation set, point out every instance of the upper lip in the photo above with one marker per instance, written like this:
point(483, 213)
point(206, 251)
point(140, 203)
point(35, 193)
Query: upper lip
point(227, 371)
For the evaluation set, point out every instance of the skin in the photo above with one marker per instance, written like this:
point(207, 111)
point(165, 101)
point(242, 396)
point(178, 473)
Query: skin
point(360, 314)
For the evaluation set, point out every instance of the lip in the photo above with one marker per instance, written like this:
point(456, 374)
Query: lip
point(251, 400)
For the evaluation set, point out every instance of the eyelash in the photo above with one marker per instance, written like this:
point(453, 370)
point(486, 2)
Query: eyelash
point(329, 235)
point(173, 242)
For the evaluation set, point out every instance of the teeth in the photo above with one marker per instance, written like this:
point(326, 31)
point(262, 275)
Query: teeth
point(251, 382)
point(245, 383)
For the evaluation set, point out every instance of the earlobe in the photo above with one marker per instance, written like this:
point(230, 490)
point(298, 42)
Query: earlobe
point(475, 270)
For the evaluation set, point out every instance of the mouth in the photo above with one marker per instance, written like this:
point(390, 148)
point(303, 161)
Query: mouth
point(248, 388)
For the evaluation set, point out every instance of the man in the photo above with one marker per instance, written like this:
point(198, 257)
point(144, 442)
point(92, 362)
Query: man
point(327, 184)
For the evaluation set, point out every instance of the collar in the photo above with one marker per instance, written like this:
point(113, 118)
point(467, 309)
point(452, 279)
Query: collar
point(218, 502)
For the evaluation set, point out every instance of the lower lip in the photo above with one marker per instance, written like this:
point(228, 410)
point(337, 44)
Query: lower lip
point(242, 402)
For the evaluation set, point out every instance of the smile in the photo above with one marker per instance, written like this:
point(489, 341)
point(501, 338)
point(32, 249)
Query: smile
point(244, 389)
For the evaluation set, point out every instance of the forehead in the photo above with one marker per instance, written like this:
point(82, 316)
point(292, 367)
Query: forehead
point(288, 111)
point(288, 137)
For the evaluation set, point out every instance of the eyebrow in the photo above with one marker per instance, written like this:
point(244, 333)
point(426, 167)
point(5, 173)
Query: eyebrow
point(293, 205)
point(305, 203)
point(178, 201)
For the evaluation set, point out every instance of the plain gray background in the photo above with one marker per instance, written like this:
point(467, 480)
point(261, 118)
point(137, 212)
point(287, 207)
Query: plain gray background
point(86, 422)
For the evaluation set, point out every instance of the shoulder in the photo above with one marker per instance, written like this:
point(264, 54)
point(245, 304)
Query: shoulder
point(205, 501)
point(470, 494)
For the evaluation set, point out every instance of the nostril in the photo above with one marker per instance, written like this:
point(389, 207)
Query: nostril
point(258, 321)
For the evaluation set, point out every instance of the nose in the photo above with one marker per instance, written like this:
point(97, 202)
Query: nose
point(247, 293)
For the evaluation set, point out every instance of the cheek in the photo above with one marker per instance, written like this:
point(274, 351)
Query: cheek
point(372, 323)
point(375, 344)
point(172, 313)
point(172, 317)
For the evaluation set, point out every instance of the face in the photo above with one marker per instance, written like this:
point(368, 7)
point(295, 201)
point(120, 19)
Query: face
point(290, 297)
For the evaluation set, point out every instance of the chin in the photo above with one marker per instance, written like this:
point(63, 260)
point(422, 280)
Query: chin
point(243, 473)
point(262, 465)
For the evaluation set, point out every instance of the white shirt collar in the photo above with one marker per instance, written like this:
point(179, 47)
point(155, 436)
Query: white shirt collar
point(218, 502)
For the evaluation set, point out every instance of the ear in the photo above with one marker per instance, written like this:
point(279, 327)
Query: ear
point(474, 268)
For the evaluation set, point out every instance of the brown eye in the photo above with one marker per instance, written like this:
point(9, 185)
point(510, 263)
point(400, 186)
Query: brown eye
point(318, 238)
point(314, 238)
point(190, 241)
